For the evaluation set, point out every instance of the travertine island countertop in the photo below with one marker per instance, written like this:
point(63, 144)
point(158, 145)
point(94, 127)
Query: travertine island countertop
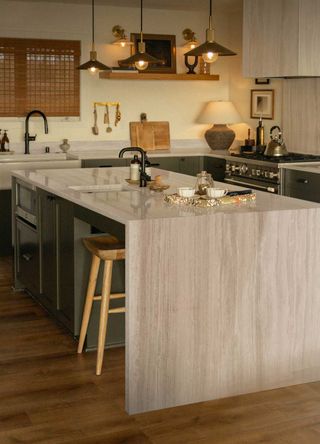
point(219, 302)
point(140, 203)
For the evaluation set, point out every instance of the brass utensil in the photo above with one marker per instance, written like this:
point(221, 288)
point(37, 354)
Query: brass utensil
point(107, 119)
point(118, 115)
point(95, 129)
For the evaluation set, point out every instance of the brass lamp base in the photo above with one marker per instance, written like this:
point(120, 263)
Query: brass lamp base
point(219, 137)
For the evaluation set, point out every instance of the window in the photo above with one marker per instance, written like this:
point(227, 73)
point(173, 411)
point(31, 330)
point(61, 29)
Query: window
point(39, 74)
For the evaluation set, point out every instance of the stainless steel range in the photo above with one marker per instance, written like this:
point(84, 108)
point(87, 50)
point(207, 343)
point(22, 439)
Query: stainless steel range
point(260, 172)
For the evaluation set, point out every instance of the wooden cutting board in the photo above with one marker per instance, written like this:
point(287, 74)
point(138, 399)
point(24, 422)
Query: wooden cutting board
point(150, 135)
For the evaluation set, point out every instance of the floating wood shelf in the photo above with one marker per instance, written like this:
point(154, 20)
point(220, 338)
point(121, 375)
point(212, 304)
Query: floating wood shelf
point(155, 76)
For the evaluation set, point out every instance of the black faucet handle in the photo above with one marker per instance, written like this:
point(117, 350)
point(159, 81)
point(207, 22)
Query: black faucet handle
point(32, 138)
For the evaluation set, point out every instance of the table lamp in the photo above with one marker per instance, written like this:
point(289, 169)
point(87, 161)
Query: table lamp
point(221, 114)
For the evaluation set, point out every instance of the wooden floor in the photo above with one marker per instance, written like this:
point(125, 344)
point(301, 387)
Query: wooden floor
point(49, 394)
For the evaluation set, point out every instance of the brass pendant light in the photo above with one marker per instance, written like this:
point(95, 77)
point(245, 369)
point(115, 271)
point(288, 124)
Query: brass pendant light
point(141, 59)
point(93, 65)
point(210, 50)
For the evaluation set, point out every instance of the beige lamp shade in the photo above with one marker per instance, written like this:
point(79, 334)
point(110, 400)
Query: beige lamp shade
point(220, 113)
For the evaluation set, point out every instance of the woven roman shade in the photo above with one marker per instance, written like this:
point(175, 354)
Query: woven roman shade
point(39, 74)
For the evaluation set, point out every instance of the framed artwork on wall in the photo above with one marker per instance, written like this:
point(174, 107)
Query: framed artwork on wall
point(161, 46)
point(262, 104)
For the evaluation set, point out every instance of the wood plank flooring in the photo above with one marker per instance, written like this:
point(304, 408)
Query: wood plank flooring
point(49, 394)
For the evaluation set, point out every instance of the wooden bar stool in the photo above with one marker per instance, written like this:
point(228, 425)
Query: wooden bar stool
point(108, 249)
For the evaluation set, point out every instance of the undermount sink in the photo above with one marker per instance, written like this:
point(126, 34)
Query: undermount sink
point(100, 188)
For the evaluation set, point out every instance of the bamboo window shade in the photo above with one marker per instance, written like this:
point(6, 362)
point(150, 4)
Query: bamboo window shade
point(39, 74)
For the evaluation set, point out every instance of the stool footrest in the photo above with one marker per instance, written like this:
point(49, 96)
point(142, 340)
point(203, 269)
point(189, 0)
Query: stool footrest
point(117, 310)
point(112, 296)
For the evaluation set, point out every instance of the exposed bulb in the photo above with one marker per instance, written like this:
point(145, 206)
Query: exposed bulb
point(210, 57)
point(192, 45)
point(122, 44)
point(93, 70)
point(141, 65)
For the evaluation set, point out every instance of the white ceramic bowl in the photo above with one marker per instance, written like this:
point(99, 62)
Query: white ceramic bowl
point(216, 192)
point(186, 191)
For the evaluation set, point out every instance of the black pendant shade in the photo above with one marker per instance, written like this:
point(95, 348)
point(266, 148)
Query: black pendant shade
point(141, 55)
point(93, 64)
point(210, 47)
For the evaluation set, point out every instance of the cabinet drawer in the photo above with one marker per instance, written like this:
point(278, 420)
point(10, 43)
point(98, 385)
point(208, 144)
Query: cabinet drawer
point(302, 185)
point(216, 167)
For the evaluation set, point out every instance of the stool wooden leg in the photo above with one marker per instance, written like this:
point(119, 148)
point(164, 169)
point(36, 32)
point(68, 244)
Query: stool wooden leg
point(89, 300)
point(104, 312)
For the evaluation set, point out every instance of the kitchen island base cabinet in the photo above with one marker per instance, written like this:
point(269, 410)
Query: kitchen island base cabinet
point(232, 306)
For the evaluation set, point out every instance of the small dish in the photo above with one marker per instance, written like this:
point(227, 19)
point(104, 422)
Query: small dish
point(137, 182)
point(186, 191)
point(215, 193)
point(159, 188)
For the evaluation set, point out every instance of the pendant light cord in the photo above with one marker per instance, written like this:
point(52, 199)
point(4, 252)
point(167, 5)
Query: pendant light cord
point(141, 20)
point(210, 14)
point(92, 23)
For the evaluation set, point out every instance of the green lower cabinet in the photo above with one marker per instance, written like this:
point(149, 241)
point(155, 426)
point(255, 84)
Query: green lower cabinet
point(56, 253)
point(216, 167)
point(165, 163)
point(104, 163)
point(190, 165)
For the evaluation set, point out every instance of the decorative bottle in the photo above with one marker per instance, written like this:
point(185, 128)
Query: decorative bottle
point(135, 168)
point(260, 133)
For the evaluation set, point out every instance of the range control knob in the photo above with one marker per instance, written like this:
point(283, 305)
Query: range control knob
point(243, 169)
point(258, 172)
point(237, 168)
point(274, 175)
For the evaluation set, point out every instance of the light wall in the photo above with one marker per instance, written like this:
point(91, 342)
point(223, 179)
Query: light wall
point(179, 102)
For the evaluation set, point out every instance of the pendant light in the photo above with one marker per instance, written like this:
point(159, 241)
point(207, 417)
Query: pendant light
point(120, 37)
point(141, 59)
point(210, 50)
point(93, 65)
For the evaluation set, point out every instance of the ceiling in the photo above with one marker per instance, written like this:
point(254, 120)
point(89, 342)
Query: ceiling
point(187, 5)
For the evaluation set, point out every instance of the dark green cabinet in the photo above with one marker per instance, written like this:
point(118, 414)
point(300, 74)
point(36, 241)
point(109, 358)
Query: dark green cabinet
point(216, 167)
point(5, 217)
point(301, 185)
point(190, 165)
point(56, 249)
point(104, 163)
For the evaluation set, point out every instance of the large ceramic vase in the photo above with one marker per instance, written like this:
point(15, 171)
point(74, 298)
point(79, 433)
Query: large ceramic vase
point(219, 137)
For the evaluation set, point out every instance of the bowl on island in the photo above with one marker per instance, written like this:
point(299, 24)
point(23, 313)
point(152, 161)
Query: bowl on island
point(216, 192)
point(186, 191)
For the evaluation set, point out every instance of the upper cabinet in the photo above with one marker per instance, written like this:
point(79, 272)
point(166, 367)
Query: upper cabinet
point(281, 38)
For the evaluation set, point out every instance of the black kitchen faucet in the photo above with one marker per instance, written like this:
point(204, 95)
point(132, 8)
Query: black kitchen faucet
point(27, 137)
point(143, 175)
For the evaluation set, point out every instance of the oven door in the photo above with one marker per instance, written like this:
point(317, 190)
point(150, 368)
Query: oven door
point(254, 184)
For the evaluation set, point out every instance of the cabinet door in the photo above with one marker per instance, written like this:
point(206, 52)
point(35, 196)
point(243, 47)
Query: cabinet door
point(27, 256)
point(48, 226)
point(104, 163)
point(189, 165)
point(166, 163)
point(301, 185)
point(216, 167)
point(271, 38)
point(65, 262)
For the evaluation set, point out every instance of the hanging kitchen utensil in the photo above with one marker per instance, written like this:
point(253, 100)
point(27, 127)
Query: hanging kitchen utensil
point(95, 129)
point(107, 119)
point(118, 115)
point(276, 147)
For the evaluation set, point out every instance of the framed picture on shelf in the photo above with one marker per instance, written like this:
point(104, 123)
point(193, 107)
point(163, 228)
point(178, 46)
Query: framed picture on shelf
point(262, 104)
point(161, 46)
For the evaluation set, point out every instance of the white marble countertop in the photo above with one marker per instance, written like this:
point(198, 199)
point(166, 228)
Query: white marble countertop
point(114, 154)
point(141, 203)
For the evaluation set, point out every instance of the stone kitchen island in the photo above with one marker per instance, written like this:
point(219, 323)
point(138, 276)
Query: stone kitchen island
point(220, 301)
